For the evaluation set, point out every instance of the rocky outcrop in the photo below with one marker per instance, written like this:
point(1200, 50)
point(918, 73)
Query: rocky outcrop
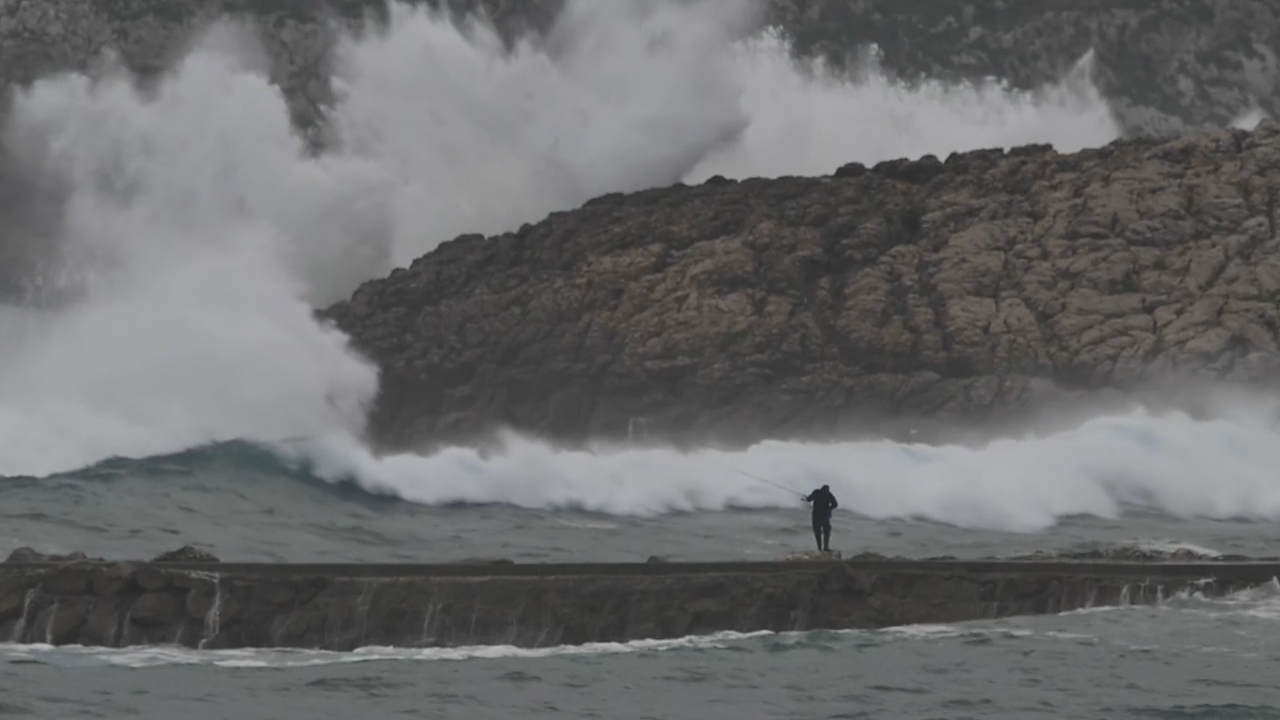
point(974, 289)
point(1166, 64)
point(186, 554)
point(1130, 553)
point(344, 607)
point(30, 555)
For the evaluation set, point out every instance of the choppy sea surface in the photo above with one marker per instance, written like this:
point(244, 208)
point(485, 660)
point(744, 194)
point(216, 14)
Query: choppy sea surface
point(241, 503)
point(1186, 658)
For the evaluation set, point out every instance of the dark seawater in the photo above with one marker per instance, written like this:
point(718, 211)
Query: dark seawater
point(1188, 658)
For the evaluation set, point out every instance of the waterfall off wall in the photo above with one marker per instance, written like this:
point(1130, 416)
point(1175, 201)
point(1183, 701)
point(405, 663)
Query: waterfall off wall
point(342, 607)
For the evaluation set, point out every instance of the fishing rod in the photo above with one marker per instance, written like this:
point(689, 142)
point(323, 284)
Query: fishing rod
point(763, 480)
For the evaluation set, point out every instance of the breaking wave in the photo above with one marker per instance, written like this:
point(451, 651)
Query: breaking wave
point(1107, 467)
point(194, 234)
point(1173, 464)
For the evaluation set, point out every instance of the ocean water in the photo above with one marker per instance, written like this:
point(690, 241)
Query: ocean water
point(163, 382)
point(1185, 659)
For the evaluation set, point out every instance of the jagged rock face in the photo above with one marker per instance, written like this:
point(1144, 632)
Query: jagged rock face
point(30, 555)
point(1128, 554)
point(1167, 64)
point(187, 553)
point(184, 554)
point(797, 306)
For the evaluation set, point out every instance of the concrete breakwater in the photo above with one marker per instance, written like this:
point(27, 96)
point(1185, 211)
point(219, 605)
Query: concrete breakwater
point(342, 607)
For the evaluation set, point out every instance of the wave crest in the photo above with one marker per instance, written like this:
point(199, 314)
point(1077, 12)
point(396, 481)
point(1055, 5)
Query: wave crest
point(1173, 464)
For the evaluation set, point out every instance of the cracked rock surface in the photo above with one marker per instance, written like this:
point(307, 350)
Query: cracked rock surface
point(964, 289)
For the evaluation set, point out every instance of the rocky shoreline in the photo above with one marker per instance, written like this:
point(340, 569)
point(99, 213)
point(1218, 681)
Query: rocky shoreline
point(979, 289)
point(195, 601)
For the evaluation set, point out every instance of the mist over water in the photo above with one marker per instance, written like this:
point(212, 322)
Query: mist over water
point(195, 235)
point(1219, 469)
point(807, 121)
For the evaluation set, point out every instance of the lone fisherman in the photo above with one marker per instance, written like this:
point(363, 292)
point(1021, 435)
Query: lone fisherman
point(823, 503)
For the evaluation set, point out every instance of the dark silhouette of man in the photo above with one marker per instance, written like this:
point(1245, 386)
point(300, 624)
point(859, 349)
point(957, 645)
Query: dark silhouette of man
point(823, 503)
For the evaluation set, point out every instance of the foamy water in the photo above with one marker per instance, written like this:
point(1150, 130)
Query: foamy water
point(151, 656)
point(197, 235)
point(1220, 469)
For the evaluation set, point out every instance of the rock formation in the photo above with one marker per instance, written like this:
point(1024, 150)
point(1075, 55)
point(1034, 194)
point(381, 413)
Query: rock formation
point(971, 289)
point(30, 555)
point(1129, 553)
point(348, 606)
point(186, 554)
